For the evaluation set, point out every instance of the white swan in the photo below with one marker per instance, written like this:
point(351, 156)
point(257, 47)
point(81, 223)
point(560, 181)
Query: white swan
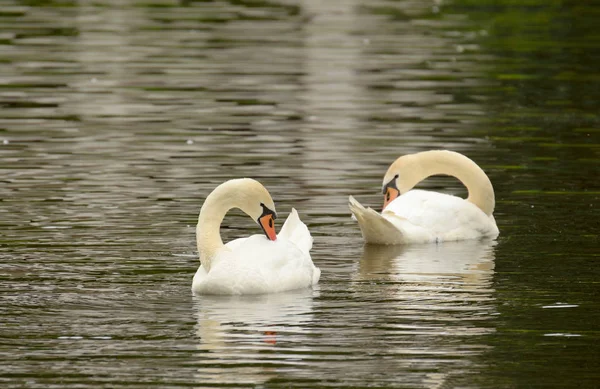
point(419, 216)
point(256, 264)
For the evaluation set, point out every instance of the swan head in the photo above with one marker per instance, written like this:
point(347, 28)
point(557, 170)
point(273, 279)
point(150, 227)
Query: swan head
point(401, 176)
point(390, 188)
point(266, 221)
point(256, 202)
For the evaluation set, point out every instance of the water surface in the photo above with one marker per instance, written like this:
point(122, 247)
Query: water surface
point(117, 120)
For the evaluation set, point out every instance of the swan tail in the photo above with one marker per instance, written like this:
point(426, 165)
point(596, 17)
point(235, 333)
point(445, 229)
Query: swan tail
point(373, 226)
point(296, 231)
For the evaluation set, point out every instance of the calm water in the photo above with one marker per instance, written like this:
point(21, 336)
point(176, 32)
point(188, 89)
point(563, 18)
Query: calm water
point(118, 118)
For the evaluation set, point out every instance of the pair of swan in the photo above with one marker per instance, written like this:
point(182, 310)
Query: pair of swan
point(281, 262)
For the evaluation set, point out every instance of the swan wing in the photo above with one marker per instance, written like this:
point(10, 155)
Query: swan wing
point(295, 231)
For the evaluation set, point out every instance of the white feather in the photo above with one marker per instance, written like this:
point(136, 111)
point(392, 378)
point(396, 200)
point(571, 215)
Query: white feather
point(420, 216)
point(256, 265)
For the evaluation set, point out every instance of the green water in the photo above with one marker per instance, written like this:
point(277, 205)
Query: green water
point(118, 118)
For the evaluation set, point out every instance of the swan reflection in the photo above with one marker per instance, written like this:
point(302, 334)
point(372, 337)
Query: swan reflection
point(234, 330)
point(437, 302)
point(469, 262)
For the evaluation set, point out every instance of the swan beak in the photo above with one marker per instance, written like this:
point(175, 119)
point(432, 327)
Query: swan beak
point(390, 195)
point(268, 225)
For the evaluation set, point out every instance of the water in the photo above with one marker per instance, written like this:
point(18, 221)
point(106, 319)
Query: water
point(117, 119)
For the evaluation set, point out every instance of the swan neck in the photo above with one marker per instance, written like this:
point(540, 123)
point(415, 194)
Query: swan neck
point(208, 234)
point(246, 194)
point(429, 163)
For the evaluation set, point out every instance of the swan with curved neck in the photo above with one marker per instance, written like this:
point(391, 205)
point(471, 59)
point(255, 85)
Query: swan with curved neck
point(411, 215)
point(245, 194)
point(255, 264)
point(408, 170)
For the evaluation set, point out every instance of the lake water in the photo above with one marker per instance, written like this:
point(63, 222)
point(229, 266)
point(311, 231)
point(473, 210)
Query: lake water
point(117, 118)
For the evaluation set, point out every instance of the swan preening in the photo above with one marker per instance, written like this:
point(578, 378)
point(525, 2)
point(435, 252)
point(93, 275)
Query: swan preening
point(418, 216)
point(281, 262)
point(256, 264)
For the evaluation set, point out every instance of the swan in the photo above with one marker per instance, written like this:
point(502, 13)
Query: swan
point(419, 216)
point(256, 264)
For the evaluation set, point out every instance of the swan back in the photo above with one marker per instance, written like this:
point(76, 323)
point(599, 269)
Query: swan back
point(255, 265)
point(432, 216)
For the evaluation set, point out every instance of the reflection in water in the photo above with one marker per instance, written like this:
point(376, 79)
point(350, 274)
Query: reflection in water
point(244, 332)
point(438, 297)
point(469, 263)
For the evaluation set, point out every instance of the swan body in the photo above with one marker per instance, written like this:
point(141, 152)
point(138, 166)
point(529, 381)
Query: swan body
point(256, 264)
point(419, 216)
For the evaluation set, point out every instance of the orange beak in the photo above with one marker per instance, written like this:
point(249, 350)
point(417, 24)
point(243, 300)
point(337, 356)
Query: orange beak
point(268, 225)
point(390, 195)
